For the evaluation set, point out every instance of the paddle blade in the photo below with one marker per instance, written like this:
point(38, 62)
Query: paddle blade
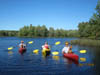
point(35, 51)
point(55, 53)
point(82, 51)
point(10, 48)
point(57, 43)
point(30, 42)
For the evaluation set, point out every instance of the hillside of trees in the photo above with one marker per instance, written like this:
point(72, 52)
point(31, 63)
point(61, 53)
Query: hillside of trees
point(91, 29)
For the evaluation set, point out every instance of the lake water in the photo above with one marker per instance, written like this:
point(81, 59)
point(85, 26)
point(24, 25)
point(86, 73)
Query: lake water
point(13, 63)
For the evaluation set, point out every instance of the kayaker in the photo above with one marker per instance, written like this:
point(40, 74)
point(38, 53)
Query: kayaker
point(22, 45)
point(67, 48)
point(70, 50)
point(45, 46)
point(46, 49)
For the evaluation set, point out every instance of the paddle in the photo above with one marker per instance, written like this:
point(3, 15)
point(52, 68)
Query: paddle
point(30, 42)
point(36, 51)
point(56, 43)
point(10, 48)
point(82, 51)
point(56, 53)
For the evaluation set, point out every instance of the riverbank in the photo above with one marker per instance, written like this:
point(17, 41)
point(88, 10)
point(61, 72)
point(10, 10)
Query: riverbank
point(86, 42)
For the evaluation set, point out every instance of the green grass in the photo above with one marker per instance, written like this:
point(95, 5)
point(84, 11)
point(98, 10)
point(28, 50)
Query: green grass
point(86, 42)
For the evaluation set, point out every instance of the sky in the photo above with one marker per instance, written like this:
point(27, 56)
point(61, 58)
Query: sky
point(65, 14)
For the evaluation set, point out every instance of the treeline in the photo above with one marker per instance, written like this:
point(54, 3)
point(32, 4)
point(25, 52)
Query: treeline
point(8, 33)
point(42, 31)
point(91, 29)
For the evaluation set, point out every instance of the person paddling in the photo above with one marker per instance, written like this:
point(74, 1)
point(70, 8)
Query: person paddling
point(46, 49)
point(22, 45)
point(45, 46)
point(70, 50)
point(67, 48)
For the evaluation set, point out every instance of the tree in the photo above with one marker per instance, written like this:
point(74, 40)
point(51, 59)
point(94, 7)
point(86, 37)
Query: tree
point(44, 31)
point(31, 31)
point(24, 31)
point(51, 32)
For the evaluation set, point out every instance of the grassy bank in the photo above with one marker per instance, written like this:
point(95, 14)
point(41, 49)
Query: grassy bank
point(86, 42)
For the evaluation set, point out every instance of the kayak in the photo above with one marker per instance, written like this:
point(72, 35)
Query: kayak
point(71, 56)
point(22, 50)
point(46, 52)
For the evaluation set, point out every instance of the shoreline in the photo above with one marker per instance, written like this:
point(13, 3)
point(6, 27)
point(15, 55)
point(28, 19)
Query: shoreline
point(86, 42)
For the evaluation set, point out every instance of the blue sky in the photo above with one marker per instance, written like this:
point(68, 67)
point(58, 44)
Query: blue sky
point(65, 14)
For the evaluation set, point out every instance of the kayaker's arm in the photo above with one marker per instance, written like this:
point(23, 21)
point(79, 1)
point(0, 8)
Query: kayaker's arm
point(63, 50)
point(19, 45)
point(42, 46)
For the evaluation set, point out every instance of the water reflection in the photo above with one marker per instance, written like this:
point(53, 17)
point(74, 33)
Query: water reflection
point(22, 51)
point(83, 59)
point(10, 52)
point(86, 64)
point(56, 58)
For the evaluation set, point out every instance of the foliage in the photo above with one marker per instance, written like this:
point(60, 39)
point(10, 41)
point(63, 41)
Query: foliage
point(8, 33)
point(42, 31)
point(91, 29)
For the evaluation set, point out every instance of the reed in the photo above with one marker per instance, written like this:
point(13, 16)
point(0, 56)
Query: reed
point(86, 42)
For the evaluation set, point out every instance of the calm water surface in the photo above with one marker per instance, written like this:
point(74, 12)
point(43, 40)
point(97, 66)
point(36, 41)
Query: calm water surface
point(13, 63)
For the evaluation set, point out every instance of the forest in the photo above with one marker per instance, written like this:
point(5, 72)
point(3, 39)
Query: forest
point(90, 29)
point(40, 31)
point(8, 33)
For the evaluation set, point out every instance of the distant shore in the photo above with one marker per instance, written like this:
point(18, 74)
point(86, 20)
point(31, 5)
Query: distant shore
point(86, 42)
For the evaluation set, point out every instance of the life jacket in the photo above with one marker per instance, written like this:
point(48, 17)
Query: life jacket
point(46, 46)
point(21, 45)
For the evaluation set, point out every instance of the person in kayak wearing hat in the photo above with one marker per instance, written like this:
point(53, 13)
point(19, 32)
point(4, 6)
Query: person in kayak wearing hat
point(67, 48)
point(22, 45)
point(45, 46)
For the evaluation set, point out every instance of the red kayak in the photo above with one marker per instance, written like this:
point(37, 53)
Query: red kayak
point(71, 56)
point(22, 50)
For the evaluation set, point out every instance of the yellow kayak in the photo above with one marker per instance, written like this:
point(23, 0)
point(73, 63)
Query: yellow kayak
point(46, 52)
